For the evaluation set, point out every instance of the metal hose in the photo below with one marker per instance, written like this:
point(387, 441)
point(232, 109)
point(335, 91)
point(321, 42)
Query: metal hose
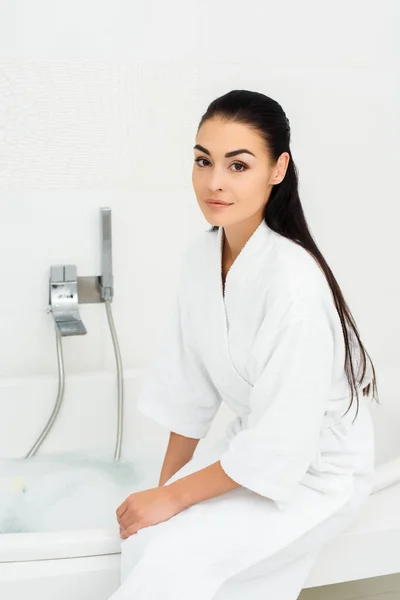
point(60, 396)
point(61, 387)
point(120, 380)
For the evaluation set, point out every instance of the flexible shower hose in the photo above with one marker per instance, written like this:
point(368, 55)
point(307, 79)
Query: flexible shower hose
point(61, 387)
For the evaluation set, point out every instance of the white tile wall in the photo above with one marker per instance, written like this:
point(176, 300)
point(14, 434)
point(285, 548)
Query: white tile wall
point(104, 112)
point(106, 115)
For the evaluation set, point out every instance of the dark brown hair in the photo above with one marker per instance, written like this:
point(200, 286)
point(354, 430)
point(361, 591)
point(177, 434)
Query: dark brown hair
point(283, 212)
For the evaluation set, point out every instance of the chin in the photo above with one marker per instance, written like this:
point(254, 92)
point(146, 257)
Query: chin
point(217, 220)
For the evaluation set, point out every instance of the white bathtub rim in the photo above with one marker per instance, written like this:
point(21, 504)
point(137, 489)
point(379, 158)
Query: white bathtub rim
point(379, 517)
point(73, 543)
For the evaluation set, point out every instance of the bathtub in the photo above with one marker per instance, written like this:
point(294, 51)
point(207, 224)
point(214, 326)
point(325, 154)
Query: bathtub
point(81, 564)
point(84, 564)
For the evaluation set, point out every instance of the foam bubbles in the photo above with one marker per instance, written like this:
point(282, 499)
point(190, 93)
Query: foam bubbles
point(69, 491)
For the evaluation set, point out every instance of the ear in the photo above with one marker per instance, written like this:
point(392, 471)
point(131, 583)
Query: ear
point(281, 168)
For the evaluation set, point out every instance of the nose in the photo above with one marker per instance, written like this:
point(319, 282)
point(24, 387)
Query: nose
point(216, 181)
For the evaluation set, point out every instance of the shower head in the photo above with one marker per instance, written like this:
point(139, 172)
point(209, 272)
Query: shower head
point(106, 277)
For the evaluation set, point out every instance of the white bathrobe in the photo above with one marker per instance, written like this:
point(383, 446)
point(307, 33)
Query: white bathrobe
point(272, 348)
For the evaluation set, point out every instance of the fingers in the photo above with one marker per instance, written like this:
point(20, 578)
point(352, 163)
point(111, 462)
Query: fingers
point(127, 517)
point(127, 521)
point(125, 533)
point(121, 510)
point(131, 530)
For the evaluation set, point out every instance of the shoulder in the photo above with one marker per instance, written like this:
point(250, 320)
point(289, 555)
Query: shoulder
point(295, 284)
point(297, 270)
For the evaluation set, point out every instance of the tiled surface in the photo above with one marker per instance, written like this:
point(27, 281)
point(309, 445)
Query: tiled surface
point(111, 121)
point(377, 588)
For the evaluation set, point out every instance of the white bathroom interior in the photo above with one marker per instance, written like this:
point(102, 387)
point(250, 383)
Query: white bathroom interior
point(99, 105)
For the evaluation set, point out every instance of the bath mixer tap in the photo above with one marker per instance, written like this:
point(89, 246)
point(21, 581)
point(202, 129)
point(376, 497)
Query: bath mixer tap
point(63, 300)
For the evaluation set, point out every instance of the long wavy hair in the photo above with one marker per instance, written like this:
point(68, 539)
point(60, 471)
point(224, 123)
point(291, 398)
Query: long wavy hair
point(284, 213)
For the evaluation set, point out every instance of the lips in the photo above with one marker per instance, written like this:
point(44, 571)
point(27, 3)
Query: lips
point(218, 203)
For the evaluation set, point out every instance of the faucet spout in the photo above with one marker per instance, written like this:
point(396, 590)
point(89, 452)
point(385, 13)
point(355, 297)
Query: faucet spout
point(63, 300)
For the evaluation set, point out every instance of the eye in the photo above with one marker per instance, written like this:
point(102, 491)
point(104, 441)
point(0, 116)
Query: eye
point(240, 165)
point(244, 167)
point(197, 160)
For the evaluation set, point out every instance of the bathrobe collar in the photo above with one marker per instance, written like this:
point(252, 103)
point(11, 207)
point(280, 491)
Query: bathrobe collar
point(243, 263)
point(224, 308)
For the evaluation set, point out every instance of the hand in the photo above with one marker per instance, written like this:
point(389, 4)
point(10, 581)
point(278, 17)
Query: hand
point(146, 508)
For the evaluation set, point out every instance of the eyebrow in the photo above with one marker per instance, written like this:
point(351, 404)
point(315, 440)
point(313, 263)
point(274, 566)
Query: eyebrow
point(228, 154)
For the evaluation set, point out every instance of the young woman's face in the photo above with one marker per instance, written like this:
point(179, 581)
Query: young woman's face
point(244, 180)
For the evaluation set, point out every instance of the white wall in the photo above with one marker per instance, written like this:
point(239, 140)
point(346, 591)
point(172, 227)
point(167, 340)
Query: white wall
point(99, 105)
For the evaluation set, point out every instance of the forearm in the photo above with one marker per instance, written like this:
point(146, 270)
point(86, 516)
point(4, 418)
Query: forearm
point(201, 485)
point(179, 451)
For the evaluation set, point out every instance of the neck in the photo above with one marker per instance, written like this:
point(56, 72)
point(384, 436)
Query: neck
point(237, 235)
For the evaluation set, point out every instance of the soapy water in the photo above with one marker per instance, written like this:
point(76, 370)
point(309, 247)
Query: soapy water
point(69, 490)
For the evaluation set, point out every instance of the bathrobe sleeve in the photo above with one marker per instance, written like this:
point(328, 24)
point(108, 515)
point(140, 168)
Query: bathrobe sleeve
point(178, 392)
point(287, 404)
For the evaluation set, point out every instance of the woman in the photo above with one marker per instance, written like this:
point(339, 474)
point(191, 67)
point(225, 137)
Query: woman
point(261, 324)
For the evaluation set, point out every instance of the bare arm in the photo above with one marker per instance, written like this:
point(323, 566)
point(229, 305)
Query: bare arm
point(202, 485)
point(180, 450)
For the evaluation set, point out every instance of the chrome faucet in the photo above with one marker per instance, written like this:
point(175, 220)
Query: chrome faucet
point(63, 300)
point(64, 286)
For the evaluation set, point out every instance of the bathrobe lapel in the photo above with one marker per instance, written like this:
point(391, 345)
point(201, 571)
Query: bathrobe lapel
point(219, 310)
